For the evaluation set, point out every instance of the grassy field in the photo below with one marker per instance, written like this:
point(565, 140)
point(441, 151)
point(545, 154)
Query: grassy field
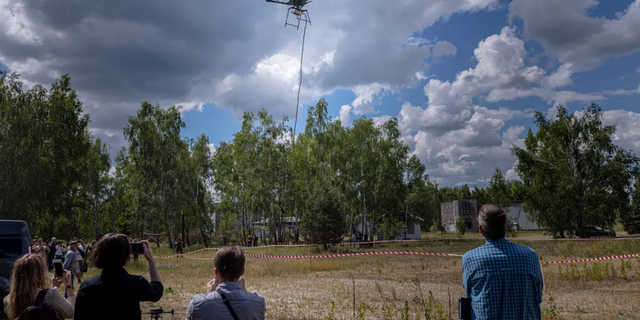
point(410, 287)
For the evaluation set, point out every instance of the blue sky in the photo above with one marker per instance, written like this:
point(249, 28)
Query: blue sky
point(462, 76)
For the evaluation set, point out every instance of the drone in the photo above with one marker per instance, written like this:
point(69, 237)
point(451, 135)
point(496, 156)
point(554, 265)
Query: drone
point(297, 9)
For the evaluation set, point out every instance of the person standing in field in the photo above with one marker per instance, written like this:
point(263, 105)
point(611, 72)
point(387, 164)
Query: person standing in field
point(71, 263)
point(226, 297)
point(52, 253)
point(115, 294)
point(502, 279)
point(178, 246)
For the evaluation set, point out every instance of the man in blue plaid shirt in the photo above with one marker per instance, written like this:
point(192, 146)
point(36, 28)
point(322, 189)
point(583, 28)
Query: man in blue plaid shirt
point(502, 279)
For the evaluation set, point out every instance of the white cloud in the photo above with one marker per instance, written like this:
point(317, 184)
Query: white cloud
point(367, 96)
point(628, 128)
point(569, 33)
point(444, 48)
point(345, 115)
point(379, 121)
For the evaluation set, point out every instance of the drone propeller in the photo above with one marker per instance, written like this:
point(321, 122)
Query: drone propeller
point(295, 3)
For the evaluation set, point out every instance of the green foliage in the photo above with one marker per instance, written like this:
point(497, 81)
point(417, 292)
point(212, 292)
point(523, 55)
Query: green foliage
point(550, 312)
point(499, 189)
point(573, 173)
point(631, 220)
point(323, 221)
point(461, 227)
point(391, 229)
point(44, 150)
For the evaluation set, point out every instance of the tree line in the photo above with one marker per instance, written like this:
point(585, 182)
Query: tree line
point(330, 180)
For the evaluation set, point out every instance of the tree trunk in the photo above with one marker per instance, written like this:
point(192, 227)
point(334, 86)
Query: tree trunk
point(204, 237)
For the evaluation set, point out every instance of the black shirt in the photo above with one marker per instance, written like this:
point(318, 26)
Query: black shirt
point(115, 294)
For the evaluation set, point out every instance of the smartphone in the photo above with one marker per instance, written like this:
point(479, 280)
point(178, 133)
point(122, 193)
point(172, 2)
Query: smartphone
point(136, 247)
point(57, 265)
point(464, 308)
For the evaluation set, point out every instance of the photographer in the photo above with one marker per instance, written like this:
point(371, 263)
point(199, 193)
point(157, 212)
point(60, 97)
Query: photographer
point(227, 298)
point(114, 294)
point(30, 280)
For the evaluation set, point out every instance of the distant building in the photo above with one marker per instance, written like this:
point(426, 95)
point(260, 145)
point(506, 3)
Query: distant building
point(518, 217)
point(467, 210)
point(288, 225)
point(410, 229)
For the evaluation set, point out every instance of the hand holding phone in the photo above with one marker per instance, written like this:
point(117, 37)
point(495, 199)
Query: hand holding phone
point(464, 308)
point(212, 285)
point(136, 248)
point(57, 265)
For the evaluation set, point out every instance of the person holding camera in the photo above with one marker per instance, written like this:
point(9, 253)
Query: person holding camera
point(226, 297)
point(115, 294)
point(30, 286)
point(503, 280)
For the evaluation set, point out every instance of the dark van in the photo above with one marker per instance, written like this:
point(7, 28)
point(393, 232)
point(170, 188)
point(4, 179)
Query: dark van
point(14, 243)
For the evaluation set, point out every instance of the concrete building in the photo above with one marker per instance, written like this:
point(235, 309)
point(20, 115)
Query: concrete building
point(518, 217)
point(410, 229)
point(467, 210)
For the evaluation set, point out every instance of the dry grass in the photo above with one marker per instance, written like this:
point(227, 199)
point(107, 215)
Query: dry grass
point(389, 286)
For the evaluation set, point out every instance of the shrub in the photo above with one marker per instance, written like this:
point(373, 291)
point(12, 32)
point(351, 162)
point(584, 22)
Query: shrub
point(461, 226)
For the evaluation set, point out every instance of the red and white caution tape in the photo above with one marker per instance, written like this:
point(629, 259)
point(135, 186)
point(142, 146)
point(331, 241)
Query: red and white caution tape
point(371, 253)
point(624, 256)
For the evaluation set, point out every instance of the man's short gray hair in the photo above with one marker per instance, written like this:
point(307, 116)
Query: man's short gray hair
point(493, 220)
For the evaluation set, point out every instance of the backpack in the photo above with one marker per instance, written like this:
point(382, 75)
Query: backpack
point(41, 310)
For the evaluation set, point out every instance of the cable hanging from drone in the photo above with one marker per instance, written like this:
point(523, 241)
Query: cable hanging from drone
point(297, 10)
point(302, 15)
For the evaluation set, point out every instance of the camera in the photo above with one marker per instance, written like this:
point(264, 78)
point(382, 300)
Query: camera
point(137, 248)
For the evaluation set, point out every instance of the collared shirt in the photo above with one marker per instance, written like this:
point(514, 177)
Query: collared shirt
point(115, 294)
point(209, 306)
point(503, 280)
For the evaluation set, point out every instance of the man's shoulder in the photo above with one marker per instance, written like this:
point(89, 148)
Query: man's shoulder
point(201, 300)
point(503, 247)
point(91, 281)
point(516, 249)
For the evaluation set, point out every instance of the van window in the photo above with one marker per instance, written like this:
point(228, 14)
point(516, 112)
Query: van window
point(10, 248)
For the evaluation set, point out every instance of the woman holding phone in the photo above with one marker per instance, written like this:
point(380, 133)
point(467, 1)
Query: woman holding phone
point(28, 279)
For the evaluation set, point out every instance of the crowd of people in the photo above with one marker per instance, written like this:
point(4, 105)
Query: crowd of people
point(502, 281)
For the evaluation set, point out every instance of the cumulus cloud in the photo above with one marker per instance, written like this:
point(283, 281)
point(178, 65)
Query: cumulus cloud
point(628, 128)
point(569, 33)
point(460, 140)
point(444, 48)
point(122, 52)
point(345, 115)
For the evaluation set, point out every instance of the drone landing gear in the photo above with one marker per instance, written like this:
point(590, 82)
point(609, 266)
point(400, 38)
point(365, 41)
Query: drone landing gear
point(300, 16)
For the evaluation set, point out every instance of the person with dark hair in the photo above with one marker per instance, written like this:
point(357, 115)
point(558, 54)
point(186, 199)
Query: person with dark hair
point(114, 294)
point(178, 244)
point(502, 279)
point(226, 297)
point(52, 253)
